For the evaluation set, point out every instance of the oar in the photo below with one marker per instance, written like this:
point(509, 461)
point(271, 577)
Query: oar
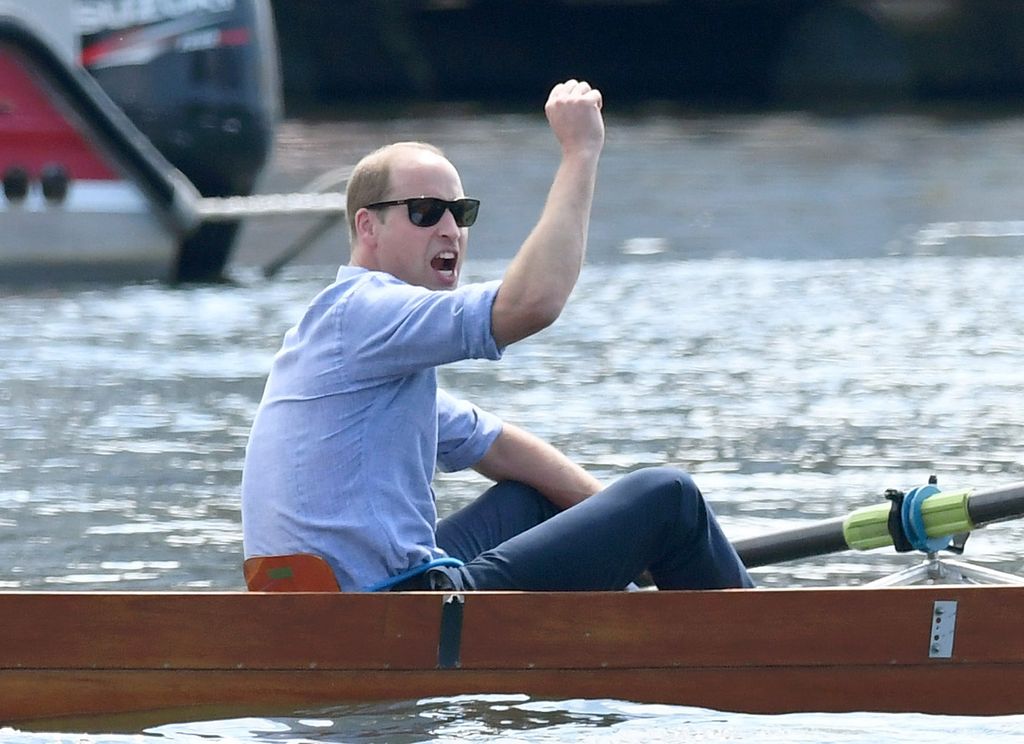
point(924, 519)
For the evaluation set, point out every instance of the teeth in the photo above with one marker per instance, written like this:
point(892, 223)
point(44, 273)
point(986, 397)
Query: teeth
point(445, 262)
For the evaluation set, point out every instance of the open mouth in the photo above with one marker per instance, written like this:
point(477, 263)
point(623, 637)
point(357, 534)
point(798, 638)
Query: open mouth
point(445, 262)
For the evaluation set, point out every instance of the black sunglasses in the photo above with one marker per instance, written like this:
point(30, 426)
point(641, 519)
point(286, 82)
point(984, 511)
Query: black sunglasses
point(427, 211)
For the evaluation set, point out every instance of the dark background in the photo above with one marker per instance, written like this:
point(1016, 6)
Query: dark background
point(735, 53)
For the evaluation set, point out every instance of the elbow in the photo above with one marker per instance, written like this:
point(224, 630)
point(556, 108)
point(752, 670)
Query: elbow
point(540, 315)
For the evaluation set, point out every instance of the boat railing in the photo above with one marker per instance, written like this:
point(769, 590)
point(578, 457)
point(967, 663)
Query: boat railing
point(228, 208)
point(322, 197)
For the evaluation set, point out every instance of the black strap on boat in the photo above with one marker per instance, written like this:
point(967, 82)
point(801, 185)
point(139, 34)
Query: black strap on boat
point(956, 545)
point(895, 525)
point(449, 644)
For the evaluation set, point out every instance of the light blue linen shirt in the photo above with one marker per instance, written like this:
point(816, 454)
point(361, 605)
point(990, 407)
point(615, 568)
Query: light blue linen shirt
point(344, 445)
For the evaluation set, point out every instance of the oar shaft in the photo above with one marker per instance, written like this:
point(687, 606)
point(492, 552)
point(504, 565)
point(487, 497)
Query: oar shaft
point(819, 538)
point(866, 528)
point(997, 504)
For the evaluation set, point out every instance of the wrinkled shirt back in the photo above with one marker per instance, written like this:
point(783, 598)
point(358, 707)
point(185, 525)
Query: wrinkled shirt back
point(344, 445)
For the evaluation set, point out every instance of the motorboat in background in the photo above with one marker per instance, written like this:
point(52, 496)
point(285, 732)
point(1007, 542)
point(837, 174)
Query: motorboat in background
point(200, 79)
point(116, 120)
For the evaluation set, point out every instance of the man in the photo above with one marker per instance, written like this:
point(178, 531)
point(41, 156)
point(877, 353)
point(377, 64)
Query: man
point(344, 445)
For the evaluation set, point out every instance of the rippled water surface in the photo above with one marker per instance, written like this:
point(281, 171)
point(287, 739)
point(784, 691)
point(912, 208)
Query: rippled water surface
point(770, 303)
point(793, 390)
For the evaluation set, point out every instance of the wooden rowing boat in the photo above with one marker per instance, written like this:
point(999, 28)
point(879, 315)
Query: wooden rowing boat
point(954, 649)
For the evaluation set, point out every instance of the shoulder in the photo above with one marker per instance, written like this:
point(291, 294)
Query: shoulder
point(368, 298)
point(354, 278)
point(353, 281)
point(354, 285)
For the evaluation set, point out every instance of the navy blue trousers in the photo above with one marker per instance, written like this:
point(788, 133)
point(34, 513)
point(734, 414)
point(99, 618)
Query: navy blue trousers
point(653, 520)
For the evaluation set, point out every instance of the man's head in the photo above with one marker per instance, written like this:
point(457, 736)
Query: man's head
point(399, 238)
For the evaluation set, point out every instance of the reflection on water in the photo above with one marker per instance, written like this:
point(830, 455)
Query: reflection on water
point(771, 303)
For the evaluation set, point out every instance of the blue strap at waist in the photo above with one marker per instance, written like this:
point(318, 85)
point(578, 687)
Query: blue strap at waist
point(385, 584)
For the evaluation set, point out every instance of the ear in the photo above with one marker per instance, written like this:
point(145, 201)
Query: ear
point(366, 224)
point(363, 249)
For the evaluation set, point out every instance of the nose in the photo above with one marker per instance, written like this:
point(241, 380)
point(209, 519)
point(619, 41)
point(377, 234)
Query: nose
point(446, 225)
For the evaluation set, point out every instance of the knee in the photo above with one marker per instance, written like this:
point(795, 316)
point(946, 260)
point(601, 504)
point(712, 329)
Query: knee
point(662, 490)
point(666, 480)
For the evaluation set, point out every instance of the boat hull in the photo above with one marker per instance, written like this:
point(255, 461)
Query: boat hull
point(762, 651)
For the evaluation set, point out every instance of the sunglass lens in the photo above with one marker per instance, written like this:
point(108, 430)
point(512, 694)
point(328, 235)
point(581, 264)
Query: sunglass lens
point(425, 212)
point(465, 211)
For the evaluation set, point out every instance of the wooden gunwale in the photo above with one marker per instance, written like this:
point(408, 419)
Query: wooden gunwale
point(88, 654)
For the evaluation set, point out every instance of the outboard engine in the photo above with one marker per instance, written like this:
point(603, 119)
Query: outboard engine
point(200, 78)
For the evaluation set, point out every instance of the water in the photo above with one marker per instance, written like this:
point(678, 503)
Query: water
point(768, 303)
point(516, 718)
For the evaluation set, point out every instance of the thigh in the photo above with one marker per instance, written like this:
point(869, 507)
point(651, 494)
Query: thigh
point(501, 512)
point(602, 543)
point(652, 519)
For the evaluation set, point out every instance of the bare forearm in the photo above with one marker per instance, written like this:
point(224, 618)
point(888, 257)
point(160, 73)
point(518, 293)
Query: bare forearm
point(520, 456)
point(540, 279)
point(538, 282)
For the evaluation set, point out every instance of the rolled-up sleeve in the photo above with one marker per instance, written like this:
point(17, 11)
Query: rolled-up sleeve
point(464, 432)
point(390, 329)
point(480, 338)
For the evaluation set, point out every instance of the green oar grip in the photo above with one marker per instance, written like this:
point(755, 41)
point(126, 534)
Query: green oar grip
point(867, 527)
point(944, 514)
